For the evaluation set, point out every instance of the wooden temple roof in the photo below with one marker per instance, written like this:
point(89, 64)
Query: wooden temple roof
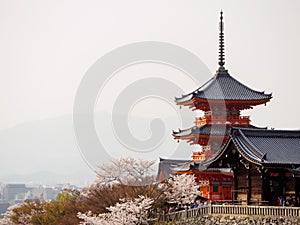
point(224, 87)
point(166, 167)
point(169, 167)
point(264, 147)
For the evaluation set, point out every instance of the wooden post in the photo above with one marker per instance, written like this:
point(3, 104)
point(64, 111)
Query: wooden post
point(297, 186)
point(186, 214)
point(209, 208)
point(235, 181)
point(249, 184)
point(282, 182)
point(262, 185)
point(265, 186)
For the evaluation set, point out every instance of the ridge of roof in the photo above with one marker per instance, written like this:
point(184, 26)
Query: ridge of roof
point(266, 132)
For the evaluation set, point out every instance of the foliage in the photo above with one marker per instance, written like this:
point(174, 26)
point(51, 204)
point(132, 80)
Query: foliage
point(23, 213)
point(181, 189)
point(126, 178)
point(127, 171)
point(39, 212)
point(128, 212)
point(6, 220)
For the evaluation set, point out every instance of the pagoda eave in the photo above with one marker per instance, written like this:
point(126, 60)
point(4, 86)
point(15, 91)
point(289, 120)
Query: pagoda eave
point(201, 139)
point(208, 104)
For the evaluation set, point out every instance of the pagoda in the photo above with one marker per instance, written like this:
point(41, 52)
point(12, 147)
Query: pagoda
point(222, 99)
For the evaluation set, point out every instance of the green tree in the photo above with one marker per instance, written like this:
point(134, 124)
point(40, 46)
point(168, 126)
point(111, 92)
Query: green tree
point(44, 213)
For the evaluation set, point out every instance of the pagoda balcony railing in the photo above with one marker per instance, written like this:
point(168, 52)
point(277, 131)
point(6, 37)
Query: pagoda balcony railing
point(229, 120)
point(201, 156)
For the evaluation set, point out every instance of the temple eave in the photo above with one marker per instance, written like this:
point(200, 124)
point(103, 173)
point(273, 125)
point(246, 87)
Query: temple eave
point(201, 139)
point(207, 104)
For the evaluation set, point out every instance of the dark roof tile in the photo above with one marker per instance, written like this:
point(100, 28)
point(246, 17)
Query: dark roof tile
point(167, 166)
point(268, 146)
point(224, 87)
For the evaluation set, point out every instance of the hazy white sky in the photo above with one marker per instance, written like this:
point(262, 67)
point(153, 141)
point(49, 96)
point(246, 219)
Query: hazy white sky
point(47, 46)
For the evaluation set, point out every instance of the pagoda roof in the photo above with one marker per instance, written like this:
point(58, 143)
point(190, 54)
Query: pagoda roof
point(166, 167)
point(265, 147)
point(188, 166)
point(224, 87)
point(169, 167)
point(191, 165)
point(207, 129)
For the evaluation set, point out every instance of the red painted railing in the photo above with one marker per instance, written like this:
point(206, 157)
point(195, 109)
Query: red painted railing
point(233, 121)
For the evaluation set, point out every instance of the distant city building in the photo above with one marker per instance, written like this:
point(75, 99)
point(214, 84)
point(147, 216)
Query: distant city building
point(3, 208)
point(50, 193)
point(12, 192)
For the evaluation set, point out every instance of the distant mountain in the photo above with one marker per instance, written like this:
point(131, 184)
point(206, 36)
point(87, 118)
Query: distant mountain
point(49, 145)
point(46, 145)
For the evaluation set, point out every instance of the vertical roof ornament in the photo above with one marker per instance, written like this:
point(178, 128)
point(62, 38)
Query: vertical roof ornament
point(221, 42)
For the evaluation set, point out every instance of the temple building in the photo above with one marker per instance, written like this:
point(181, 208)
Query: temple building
point(238, 161)
point(265, 164)
point(214, 183)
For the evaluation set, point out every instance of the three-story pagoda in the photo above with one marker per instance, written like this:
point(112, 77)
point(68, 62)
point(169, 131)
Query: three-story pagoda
point(221, 99)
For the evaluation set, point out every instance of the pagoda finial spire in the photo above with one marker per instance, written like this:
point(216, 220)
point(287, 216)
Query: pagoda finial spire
point(221, 42)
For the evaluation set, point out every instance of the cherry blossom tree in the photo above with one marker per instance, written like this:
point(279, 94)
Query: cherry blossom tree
point(124, 178)
point(40, 212)
point(6, 221)
point(181, 189)
point(14, 215)
point(127, 171)
point(130, 212)
point(6, 216)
